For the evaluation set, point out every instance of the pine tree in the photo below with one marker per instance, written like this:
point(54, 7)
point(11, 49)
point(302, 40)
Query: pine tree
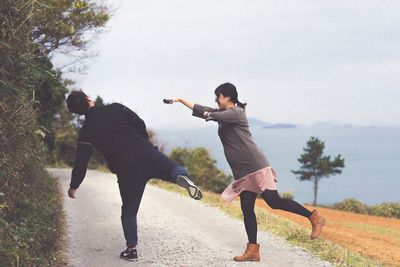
point(315, 166)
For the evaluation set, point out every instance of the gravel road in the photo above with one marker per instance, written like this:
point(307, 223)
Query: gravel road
point(174, 230)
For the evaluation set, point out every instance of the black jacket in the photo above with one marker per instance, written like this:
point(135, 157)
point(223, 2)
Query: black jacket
point(117, 132)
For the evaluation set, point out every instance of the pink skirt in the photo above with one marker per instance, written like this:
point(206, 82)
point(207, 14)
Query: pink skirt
point(255, 182)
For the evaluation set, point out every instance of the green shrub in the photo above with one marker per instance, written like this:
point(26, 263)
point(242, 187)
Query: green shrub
point(391, 210)
point(27, 217)
point(30, 231)
point(202, 168)
point(287, 195)
point(352, 205)
point(31, 94)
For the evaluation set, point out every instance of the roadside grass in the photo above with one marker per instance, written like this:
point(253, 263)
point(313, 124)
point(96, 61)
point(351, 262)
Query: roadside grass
point(292, 232)
point(32, 231)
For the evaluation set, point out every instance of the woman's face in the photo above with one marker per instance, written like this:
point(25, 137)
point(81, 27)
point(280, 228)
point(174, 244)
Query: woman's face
point(223, 101)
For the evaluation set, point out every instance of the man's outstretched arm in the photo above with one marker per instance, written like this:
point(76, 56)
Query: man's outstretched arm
point(83, 153)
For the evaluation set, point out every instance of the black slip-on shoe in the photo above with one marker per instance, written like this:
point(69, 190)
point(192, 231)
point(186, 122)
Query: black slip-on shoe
point(129, 255)
point(193, 190)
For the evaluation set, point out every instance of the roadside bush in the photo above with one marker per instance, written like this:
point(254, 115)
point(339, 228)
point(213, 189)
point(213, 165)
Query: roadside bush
point(352, 205)
point(31, 94)
point(386, 210)
point(30, 232)
point(23, 211)
point(287, 195)
point(201, 167)
point(391, 210)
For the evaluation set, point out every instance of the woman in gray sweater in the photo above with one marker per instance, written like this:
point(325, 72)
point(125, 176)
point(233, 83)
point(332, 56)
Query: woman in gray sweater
point(251, 170)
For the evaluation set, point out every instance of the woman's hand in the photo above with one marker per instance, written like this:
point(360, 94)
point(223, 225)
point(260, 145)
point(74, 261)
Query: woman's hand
point(171, 100)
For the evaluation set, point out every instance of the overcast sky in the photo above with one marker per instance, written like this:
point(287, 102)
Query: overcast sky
point(292, 61)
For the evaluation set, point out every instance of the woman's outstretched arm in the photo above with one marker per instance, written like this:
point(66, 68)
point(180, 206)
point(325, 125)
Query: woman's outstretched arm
point(198, 110)
point(180, 100)
point(185, 102)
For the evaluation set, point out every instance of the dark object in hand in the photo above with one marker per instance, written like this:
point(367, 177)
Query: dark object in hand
point(168, 101)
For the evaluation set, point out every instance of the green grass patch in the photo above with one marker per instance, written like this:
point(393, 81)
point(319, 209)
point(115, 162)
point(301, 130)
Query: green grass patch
point(31, 232)
point(292, 232)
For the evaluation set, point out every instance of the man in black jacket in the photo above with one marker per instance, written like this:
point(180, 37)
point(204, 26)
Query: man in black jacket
point(120, 135)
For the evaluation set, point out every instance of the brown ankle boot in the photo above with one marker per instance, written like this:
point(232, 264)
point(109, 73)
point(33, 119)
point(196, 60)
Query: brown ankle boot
point(317, 223)
point(252, 253)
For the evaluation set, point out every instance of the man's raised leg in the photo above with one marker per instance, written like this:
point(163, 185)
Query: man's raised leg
point(165, 169)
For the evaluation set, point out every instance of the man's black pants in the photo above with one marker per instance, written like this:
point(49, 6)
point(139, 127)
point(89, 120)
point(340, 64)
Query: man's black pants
point(132, 184)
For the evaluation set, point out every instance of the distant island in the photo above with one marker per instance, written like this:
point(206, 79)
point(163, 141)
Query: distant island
point(330, 124)
point(257, 123)
point(254, 122)
point(280, 126)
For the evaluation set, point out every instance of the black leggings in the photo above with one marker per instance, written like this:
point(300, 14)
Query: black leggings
point(271, 197)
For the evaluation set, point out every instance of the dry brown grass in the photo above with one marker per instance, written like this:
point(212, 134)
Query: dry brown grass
point(372, 236)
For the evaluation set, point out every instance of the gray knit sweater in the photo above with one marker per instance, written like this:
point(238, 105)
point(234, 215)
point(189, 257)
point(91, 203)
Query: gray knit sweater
point(242, 154)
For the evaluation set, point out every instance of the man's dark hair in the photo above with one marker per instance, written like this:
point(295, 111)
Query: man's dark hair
point(77, 102)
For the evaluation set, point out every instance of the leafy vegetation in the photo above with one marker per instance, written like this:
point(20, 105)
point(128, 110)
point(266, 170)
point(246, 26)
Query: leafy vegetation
point(287, 195)
point(391, 210)
point(64, 25)
point(31, 232)
point(201, 167)
point(32, 93)
point(352, 205)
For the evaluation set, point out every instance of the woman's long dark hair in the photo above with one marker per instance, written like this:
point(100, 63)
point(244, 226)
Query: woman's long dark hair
point(228, 89)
